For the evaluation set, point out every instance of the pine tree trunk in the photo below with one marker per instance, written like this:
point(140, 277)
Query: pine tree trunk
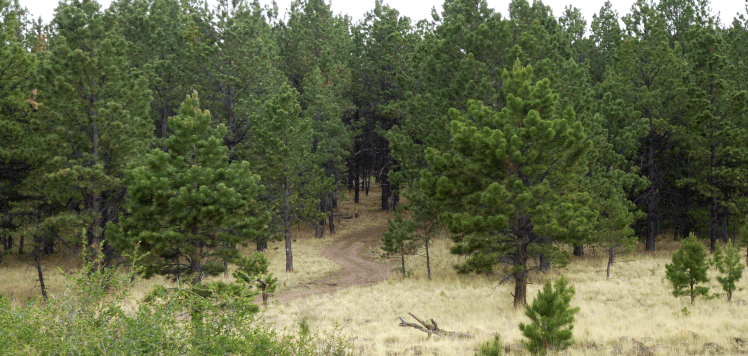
point(713, 233)
point(367, 177)
point(611, 259)
point(96, 225)
point(287, 225)
point(331, 224)
point(520, 275)
point(402, 259)
point(356, 185)
point(37, 260)
point(386, 192)
point(652, 199)
point(196, 267)
point(579, 250)
point(428, 257)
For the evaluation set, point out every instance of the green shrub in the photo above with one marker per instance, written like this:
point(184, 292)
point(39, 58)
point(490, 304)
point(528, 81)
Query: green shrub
point(491, 348)
point(552, 318)
point(89, 319)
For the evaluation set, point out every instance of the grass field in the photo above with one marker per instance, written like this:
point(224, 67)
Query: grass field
point(631, 313)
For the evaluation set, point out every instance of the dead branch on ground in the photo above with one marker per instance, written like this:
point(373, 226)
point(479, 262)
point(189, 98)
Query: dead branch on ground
point(432, 328)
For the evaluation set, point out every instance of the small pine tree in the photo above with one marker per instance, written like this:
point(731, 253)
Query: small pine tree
point(400, 238)
point(688, 269)
point(552, 318)
point(252, 271)
point(729, 266)
point(491, 348)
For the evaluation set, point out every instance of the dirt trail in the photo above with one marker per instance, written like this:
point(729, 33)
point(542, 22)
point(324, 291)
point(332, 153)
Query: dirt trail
point(353, 254)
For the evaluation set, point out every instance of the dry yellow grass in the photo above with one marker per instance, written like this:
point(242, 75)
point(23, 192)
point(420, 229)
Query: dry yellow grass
point(632, 312)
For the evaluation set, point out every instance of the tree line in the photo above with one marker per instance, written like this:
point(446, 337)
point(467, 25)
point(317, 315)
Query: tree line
point(184, 129)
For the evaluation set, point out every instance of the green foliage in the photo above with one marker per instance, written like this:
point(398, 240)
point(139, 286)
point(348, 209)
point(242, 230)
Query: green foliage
point(400, 238)
point(92, 318)
point(688, 269)
point(508, 180)
point(491, 348)
point(552, 318)
point(292, 172)
point(189, 207)
point(729, 266)
point(253, 271)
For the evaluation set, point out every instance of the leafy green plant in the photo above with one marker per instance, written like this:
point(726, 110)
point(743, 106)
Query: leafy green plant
point(729, 266)
point(688, 269)
point(552, 318)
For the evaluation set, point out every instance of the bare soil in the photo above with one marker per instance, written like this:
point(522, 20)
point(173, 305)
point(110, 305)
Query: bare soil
point(357, 254)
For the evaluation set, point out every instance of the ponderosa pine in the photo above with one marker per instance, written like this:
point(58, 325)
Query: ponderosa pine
point(188, 205)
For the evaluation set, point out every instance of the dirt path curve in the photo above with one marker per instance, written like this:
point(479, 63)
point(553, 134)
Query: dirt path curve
point(353, 254)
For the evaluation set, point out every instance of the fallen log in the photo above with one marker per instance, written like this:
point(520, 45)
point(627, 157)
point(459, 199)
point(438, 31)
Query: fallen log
point(432, 328)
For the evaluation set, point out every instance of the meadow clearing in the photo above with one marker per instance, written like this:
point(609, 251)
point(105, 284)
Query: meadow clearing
point(631, 313)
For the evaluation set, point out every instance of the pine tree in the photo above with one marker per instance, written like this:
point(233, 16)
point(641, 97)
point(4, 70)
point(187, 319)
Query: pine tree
point(688, 269)
point(715, 131)
point(400, 238)
point(729, 266)
point(646, 75)
point(92, 125)
point(552, 318)
point(315, 47)
point(292, 173)
point(384, 46)
point(18, 154)
point(508, 181)
point(332, 139)
point(232, 46)
point(188, 206)
point(158, 33)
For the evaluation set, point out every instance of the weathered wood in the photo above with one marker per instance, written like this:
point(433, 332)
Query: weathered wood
point(432, 328)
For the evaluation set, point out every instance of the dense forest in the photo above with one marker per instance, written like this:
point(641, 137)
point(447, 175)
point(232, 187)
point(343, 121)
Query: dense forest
point(183, 130)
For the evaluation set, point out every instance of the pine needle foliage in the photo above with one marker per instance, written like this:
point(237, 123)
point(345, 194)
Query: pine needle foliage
point(400, 238)
point(189, 207)
point(552, 318)
point(730, 268)
point(688, 269)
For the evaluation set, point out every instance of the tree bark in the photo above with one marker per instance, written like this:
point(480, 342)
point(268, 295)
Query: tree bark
point(356, 186)
point(196, 267)
point(287, 225)
point(520, 275)
point(386, 193)
point(579, 250)
point(96, 225)
point(428, 256)
point(652, 199)
point(37, 260)
point(611, 258)
point(331, 224)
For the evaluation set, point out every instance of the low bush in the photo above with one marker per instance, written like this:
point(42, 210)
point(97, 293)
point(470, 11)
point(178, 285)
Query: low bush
point(89, 318)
